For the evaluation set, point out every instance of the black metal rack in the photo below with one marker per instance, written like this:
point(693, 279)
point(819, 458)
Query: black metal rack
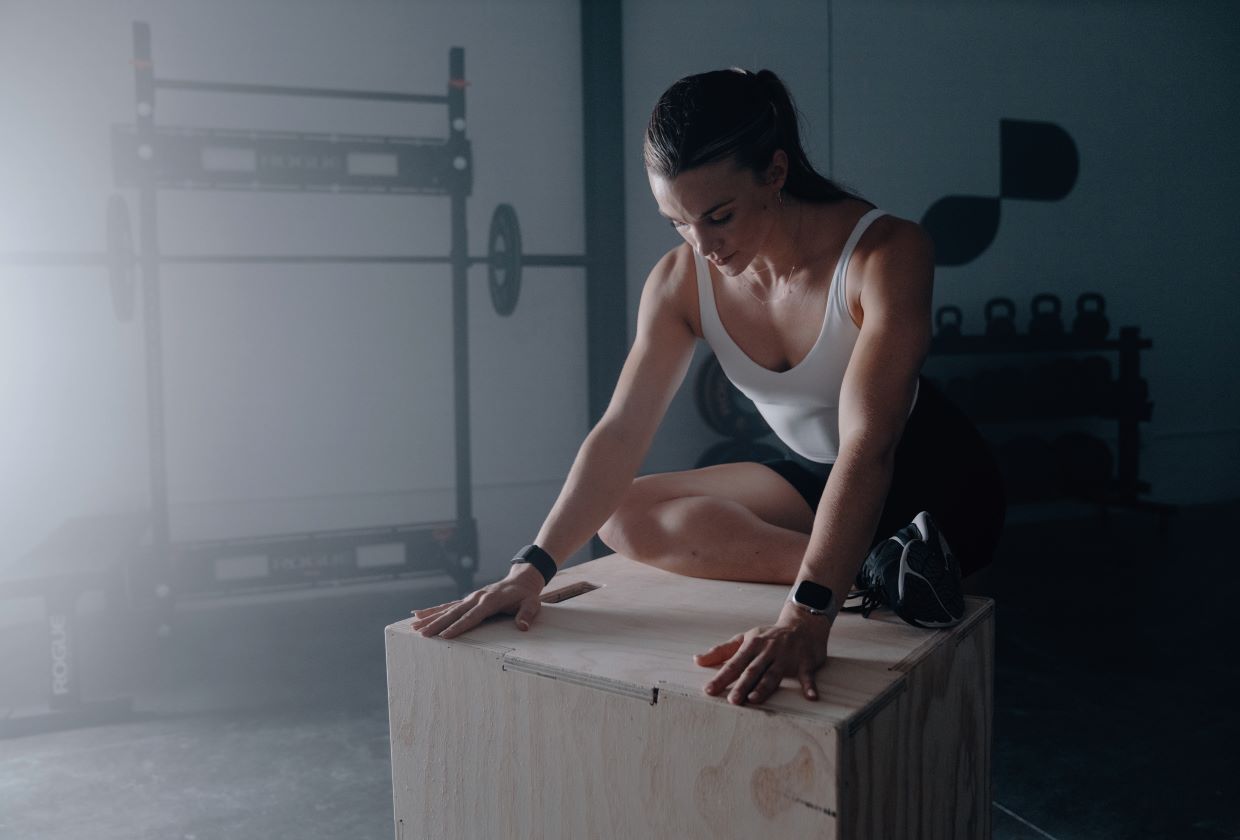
point(135, 558)
point(1061, 386)
point(149, 158)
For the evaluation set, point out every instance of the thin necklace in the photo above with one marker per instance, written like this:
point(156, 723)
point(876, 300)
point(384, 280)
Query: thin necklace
point(796, 240)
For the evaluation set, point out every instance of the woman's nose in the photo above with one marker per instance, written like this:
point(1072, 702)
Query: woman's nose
point(704, 245)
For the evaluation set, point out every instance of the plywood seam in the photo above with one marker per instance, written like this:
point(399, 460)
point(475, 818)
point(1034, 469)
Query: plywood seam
point(881, 702)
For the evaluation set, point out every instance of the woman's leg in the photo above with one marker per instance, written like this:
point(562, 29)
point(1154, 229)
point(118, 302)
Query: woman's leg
point(944, 466)
point(728, 522)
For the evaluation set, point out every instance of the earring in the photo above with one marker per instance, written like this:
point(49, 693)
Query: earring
point(780, 195)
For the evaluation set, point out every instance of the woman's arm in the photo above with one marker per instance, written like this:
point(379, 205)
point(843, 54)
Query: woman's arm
point(896, 277)
point(875, 400)
point(607, 460)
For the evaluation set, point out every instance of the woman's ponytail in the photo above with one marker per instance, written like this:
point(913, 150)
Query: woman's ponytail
point(803, 180)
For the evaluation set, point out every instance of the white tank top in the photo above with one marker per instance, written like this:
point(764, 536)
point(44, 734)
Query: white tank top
point(801, 404)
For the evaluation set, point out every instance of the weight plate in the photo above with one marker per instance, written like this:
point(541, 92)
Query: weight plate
point(504, 259)
point(121, 259)
point(724, 408)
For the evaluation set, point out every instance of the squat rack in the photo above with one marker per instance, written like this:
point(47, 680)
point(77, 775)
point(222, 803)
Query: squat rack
point(133, 557)
point(150, 158)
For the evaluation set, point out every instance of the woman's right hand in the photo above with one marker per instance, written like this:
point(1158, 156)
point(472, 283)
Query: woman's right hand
point(517, 594)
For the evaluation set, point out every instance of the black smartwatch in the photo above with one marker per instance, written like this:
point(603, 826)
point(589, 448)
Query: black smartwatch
point(539, 559)
point(815, 599)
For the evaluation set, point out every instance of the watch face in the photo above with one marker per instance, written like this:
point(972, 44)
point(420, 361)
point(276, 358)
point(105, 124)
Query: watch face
point(813, 595)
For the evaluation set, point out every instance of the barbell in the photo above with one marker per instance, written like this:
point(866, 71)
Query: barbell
point(504, 260)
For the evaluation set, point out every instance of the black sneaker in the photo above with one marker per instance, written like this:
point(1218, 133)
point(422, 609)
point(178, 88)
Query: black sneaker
point(915, 573)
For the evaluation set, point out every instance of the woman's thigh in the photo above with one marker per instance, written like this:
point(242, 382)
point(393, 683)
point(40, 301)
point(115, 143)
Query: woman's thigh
point(758, 487)
point(943, 465)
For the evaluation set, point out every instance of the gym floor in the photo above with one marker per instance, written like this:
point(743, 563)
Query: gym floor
point(1112, 713)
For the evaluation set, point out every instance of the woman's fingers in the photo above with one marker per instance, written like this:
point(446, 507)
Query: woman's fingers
point(525, 615)
point(720, 652)
point(420, 623)
point(749, 678)
point(471, 618)
point(733, 668)
point(433, 625)
point(429, 611)
point(766, 685)
point(808, 688)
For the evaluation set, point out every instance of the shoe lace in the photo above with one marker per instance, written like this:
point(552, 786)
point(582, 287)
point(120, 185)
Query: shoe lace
point(870, 600)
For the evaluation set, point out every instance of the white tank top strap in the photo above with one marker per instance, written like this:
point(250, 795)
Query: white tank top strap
point(839, 287)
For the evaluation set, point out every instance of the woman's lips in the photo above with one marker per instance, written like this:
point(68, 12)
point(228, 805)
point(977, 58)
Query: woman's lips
point(725, 260)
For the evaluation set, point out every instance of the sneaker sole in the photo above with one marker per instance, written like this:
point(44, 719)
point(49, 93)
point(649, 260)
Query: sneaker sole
point(915, 589)
point(918, 596)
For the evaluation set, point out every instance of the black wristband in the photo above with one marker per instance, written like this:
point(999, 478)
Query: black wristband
point(539, 559)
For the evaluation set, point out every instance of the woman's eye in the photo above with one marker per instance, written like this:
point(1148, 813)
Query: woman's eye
point(721, 220)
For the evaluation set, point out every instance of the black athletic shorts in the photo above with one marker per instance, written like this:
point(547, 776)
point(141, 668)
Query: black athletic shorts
point(942, 465)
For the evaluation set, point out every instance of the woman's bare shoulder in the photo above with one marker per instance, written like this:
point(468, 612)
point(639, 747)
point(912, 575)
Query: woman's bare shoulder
point(891, 240)
point(672, 286)
point(891, 251)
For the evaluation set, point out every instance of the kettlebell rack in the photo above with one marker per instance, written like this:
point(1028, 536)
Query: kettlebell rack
point(1047, 377)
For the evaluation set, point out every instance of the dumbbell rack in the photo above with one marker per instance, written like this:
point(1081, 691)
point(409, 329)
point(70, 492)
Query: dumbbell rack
point(1123, 399)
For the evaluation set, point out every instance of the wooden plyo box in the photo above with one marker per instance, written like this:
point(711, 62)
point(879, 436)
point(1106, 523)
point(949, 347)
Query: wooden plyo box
point(594, 722)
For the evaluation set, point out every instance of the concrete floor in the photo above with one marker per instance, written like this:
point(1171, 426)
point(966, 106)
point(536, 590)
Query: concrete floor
point(1113, 716)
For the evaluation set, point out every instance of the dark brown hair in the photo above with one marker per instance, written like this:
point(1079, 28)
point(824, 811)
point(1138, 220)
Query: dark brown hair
point(735, 114)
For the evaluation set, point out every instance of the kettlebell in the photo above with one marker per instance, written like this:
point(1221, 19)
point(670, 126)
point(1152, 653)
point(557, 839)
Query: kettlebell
point(1046, 321)
point(1000, 318)
point(947, 323)
point(1091, 322)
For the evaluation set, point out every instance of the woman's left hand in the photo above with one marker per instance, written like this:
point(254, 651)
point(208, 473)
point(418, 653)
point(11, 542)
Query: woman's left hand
point(754, 662)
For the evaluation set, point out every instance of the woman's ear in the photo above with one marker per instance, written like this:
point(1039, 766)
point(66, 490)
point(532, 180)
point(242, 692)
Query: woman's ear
point(777, 170)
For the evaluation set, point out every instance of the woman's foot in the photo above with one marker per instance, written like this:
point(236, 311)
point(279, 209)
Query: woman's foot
point(915, 573)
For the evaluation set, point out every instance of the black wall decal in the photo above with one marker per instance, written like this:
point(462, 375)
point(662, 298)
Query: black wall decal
point(962, 226)
point(1038, 161)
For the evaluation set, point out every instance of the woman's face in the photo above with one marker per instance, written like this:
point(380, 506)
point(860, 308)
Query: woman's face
point(723, 211)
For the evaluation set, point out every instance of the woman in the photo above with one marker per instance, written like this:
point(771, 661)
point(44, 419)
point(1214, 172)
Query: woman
point(818, 308)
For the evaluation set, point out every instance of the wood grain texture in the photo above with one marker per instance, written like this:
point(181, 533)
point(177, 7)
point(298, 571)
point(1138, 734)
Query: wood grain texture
point(594, 723)
point(479, 753)
point(921, 766)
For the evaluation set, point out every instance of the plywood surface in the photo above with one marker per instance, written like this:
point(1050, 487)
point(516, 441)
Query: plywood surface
point(480, 753)
point(636, 634)
point(940, 727)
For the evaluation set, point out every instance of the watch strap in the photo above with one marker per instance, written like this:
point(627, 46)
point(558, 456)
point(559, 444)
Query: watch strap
point(539, 559)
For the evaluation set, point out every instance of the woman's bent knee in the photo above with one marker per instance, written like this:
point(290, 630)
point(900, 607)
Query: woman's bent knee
point(617, 531)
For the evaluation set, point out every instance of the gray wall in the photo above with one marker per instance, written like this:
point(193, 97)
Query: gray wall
point(916, 91)
point(332, 384)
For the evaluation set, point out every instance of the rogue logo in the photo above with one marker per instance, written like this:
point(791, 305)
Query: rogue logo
point(61, 674)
